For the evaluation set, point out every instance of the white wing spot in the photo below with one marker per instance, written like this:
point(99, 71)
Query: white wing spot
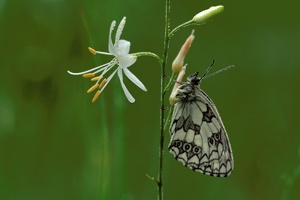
point(202, 106)
point(182, 158)
point(179, 135)
point(174, 151)
point(205, 130)
point(204, 159)
point(216, 123)
point(193, 161)
point(216, 165)
point(214, 156)
point(189, 136)
point(198, 140)
point(223, 169)
point(213, 127)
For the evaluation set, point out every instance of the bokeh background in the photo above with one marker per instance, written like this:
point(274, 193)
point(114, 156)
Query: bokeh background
point(56, 144)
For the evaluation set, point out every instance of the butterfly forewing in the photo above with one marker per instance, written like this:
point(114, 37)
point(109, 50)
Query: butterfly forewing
point(198, 136)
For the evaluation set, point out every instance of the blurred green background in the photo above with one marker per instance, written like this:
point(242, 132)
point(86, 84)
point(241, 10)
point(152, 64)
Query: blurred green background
point(56, 144)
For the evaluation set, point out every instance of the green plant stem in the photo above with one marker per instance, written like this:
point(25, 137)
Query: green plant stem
point(149, 54)
point(185, 24)
point(168, 118)
point(170, 82)
point(162, 100)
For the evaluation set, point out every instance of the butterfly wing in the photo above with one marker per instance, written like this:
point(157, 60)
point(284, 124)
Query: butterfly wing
point(198, 137)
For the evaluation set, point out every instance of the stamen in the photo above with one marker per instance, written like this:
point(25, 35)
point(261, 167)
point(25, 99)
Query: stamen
point(93, 88)
point(95, 78)
point(102, 83)
point(88, 75)
point(98, 78)
point(93, 51)
point(96, 96)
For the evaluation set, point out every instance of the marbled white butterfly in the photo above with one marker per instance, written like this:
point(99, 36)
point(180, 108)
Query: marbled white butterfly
point(198, 136)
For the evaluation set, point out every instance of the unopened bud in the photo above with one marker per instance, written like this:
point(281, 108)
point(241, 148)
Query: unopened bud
point(207, 14)
point(173, 99)
point(179, 60)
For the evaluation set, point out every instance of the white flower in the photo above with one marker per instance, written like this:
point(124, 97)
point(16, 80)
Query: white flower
point(122, 59)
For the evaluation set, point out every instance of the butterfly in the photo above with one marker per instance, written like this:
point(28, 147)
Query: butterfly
point(198, 136)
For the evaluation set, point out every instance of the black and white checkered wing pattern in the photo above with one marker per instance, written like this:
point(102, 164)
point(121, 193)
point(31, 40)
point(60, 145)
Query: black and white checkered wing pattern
point(198, 136)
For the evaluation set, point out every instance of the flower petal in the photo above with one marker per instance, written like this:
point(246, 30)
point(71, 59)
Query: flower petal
point(126, 61)
point(111, 47)
point(134, 79)
point(120, 29)
point(127, 93)
point(123, 47)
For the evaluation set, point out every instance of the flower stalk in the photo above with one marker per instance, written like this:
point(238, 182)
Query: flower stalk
point(138, 54)
point(200, 18)
point(159, 180)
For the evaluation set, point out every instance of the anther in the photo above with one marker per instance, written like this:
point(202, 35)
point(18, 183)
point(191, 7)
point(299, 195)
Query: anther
point(96, 96)
point(93, 51)
point(88, 75)
point(95, 78)
point(93, 88)
point(102, 83)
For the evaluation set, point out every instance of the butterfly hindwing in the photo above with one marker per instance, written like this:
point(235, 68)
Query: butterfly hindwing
point(198, 136)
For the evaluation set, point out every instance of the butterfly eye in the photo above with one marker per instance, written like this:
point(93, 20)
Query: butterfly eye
point(187, 147)
point(196, 150)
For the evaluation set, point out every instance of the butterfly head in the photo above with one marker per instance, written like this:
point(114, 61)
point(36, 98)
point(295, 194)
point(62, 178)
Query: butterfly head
point(194, 79)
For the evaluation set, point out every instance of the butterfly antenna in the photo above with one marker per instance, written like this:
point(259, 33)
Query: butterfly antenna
point(207, 70)
point(221, 70)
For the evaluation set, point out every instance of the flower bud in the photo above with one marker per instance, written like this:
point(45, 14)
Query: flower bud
point(207, 14)
point(173, 99)
point(179, 60)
